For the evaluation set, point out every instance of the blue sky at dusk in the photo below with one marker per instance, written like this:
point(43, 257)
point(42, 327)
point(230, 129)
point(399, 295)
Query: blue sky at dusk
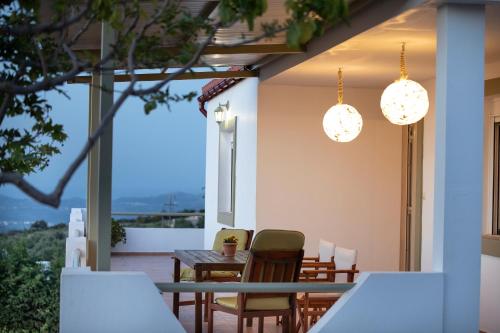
point(152, 154)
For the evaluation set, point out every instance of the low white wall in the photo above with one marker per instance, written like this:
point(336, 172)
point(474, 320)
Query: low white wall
point(160, 240)
point(490, 294)
point(113, 302)
point(388, 302)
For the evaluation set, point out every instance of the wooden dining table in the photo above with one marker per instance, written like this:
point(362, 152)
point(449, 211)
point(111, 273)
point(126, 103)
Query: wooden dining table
point(203, 261)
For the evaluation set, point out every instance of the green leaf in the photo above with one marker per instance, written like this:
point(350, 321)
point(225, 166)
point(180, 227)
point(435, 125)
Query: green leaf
point(149, 106)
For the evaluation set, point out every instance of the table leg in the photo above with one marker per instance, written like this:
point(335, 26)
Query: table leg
point(177, 277)
point(198, 303)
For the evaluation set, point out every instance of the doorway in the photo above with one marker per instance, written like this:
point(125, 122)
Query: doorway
point(411, 197)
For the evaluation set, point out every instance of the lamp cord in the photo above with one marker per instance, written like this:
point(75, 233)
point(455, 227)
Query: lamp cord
point(340, 87)
point(402, 63)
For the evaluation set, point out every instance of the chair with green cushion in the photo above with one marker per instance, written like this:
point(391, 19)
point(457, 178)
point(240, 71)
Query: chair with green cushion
point(275, 256)
point(244, 240)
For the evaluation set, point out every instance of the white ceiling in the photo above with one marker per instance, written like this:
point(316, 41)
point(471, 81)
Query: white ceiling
point(371, 59)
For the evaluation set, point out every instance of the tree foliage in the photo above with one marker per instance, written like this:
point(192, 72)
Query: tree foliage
point(37, 54)
point(29, 290)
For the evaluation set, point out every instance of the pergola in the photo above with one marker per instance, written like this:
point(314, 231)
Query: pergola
point(98, 40)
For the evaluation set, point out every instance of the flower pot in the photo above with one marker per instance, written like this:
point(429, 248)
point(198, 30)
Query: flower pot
point(229, 249)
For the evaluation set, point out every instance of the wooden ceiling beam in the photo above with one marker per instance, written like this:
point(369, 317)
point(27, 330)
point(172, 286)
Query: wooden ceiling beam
point(224, 50)
point(184, 76)
point(492, 86)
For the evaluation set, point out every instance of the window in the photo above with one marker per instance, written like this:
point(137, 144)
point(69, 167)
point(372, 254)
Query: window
point(496, 180)
point(227, 172)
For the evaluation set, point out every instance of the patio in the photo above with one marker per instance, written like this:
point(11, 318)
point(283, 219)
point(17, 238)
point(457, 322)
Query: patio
point(276, 169)
point(160, 269)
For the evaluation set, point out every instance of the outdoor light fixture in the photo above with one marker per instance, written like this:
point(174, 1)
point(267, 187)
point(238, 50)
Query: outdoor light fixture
point(342, 122)
point(220, 112)
point(405, 101)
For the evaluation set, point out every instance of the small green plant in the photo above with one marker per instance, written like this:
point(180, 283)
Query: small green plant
point(231, 239)
point(118, 233)
point(39, 225)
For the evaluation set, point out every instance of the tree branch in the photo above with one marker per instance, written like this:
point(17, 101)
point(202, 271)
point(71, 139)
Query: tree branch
point(45, 27)
point(3, 107)
point(54, 198)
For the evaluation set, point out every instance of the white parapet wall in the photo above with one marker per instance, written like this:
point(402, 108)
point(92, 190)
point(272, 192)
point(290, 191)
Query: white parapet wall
point(113, 302)
point(76, 242)
point(160, 240)
point(390, 303)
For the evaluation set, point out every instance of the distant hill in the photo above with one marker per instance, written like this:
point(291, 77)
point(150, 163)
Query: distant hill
point(20, 213)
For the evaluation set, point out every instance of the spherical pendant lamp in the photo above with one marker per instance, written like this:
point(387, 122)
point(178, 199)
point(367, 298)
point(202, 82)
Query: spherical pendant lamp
point(342, 122)
point(405, 101)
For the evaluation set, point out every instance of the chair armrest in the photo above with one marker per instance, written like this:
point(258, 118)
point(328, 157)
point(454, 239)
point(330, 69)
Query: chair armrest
point(326, 265)
point(329, 271)
point(311, 258)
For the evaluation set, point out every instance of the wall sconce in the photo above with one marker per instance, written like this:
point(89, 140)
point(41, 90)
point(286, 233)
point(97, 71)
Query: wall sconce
point(220, 112)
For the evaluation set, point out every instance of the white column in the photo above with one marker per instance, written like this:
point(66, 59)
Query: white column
point(100, 164)
point(459, 161)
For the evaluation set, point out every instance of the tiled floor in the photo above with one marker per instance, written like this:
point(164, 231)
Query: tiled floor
point(160, 268)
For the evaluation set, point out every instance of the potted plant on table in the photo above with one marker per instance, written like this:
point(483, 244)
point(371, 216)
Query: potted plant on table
point(229, 246)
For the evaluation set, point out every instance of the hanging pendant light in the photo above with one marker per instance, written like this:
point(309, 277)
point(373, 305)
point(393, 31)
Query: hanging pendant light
point(405, 101)
point(342, 122)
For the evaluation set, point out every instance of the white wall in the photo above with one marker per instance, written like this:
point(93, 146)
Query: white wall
point(490, 266)
point(428, 181)
point(151, 240)
point(113, 302)
point(347, 193)
point(243, 104)
point(389, 303)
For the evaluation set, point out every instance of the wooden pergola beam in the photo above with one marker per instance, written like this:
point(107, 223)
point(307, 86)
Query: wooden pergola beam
point(216, 49)
point(492, 86)
point(184, 76)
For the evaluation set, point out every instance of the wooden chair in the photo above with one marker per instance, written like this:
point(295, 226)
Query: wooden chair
point(244, 241)
point(312, 306)
point(275, 256)
point(326, 252)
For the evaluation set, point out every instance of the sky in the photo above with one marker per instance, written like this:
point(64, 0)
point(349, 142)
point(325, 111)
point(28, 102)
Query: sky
point(153, 154)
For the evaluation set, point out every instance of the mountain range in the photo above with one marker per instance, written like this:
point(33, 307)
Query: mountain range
point(16, 213)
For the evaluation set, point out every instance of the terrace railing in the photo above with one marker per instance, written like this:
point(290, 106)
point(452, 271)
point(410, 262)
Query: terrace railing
point(256, 287)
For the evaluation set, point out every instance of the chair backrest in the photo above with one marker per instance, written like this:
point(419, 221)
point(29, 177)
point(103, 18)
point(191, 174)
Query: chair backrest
point(244, 238)
point(344, 259)
point(275, 256)
point(326, 250)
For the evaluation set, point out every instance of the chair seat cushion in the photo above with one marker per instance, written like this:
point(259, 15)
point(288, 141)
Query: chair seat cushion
point(270, 303)
point(187, 274)
point(320, 296)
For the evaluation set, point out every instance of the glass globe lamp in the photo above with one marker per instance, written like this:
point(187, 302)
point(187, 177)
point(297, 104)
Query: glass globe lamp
point(342, 122)
point(404, 101)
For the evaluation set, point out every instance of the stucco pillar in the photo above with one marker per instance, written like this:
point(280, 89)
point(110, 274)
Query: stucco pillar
point(100, 164)
point(459, 161)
